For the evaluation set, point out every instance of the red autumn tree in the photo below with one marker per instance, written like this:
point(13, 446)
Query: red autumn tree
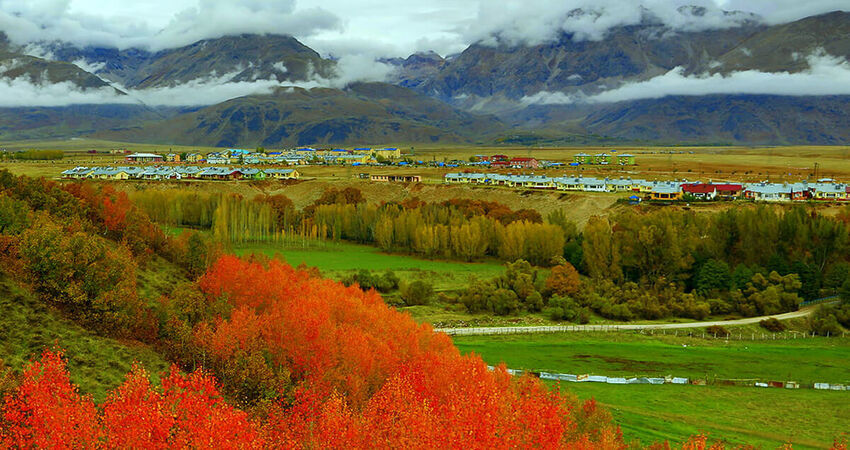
point(46, 410)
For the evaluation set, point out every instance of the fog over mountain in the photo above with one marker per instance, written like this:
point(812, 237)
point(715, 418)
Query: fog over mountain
point(534, 63)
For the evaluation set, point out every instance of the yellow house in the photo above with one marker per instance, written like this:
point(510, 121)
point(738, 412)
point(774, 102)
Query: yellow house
point(282, 174)
point(388, 153)
point(194, 157)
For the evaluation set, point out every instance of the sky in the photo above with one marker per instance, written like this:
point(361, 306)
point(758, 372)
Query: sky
point(374, 27)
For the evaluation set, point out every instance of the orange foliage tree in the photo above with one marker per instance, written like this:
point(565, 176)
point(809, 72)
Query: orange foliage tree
point(563, 279)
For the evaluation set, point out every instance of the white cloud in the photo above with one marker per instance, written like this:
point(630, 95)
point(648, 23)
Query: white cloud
point(827, 75)
point(533, 22)
point(49, 20)
point(22, 92)
point(88, 66)
point(199, 92)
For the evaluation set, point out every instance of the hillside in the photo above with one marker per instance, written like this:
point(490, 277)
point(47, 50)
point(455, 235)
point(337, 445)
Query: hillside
point(364, 112)
point(724, 118)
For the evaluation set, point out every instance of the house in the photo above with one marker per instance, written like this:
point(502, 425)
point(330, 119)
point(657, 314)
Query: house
point(625, 159)
point(282, 174)
point(583, 158)
point(499, 164)
point(144, 157)
point(830, 192)
point(499, 158)
point(774, 192)
point(194, 157)
point(397, 178)
point(218, 158)
point(253, 174)
point(456, 178)
point(701, 191)
point(665, 190)
point(77, 173)
point(172, 157)
point(387, 153)
point(593, 185)
point(602, 158)
point(524, 163)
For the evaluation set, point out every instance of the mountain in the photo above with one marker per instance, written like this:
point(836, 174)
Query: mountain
point(245, 57)
point(753, 119)
point(361, 113)
point(15, 65)
point(453, 99)
point(71, 121)
point(484, 76)
point(784, 48)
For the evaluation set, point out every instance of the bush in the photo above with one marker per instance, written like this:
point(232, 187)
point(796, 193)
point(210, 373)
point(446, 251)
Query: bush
point(772, 325)
point(367, 280)
point(563, 308)
point(824, 322)
point(417, 293)
point(717, 331)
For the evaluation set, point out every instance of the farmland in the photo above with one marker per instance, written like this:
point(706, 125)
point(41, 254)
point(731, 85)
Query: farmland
point(767, 417)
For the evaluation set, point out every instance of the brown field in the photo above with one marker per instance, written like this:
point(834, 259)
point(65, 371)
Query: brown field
point(792, 163)
point(694, 163)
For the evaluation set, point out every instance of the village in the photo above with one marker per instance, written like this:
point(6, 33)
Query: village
point(823, 190)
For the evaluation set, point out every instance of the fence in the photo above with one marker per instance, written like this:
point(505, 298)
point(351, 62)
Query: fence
point(642, 329)
point(669, 379)
point(818, 301)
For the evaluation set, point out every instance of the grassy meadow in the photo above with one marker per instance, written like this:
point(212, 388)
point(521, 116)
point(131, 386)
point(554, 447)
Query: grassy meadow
point(340, 259)
point(96, 364)
point(766, 417)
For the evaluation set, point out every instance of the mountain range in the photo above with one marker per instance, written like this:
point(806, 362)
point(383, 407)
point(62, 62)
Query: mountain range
point(565, 87)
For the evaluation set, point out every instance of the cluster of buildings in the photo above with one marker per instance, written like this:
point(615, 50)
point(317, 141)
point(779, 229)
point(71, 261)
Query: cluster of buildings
point(292, 157)
point(825, 189)
point(604, 159)
point(179, 173)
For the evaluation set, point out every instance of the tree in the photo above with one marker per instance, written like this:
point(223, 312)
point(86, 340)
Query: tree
point(713, 276)
point(563, 280)
point(46, 409)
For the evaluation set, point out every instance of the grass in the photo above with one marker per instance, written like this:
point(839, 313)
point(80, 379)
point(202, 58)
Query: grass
point(158, 277)
point(767, 417)
point(629, 354)
point(96, 364)
point(339, 259)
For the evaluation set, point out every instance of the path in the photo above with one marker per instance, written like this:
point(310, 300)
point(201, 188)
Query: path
point(648, 326)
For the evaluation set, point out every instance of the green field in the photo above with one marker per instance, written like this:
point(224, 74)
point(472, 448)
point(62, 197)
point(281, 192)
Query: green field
point(767, 417)
point(339, 259)
point(96, 364)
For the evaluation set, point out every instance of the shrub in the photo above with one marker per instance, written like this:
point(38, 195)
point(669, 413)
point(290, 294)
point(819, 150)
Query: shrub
point(417, 293)
point(717, 331)
point(772, 325)
point(563, 308)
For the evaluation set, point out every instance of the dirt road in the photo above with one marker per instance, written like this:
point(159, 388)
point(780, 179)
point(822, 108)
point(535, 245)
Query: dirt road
point(649, 326)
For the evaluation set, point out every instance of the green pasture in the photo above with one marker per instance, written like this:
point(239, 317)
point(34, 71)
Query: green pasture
point(339, 259)
point(763, 417)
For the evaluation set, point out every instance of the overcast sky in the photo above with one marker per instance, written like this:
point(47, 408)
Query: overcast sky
point(376, 27)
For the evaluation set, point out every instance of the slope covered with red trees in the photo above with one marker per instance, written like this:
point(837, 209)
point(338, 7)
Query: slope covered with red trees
point(359, 375)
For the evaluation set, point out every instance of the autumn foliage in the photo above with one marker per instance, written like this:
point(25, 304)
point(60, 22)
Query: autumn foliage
point(320, 365)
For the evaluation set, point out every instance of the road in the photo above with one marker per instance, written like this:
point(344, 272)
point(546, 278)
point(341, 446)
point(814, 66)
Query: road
point(648, 326)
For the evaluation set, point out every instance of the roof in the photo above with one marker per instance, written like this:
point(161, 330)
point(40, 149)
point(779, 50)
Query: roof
point(523, 159)
point(144, 155)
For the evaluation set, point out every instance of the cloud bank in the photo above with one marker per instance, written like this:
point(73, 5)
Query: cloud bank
point(827, 75)
point(54, 20)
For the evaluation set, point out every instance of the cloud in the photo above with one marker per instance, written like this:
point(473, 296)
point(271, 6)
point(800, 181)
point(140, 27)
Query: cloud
point(533, 22)
point(54, 20)
point(827, 75)
point(209, 90)
point(22, 92)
